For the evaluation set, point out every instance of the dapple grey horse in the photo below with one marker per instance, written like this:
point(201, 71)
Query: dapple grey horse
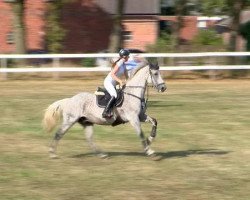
point(82, 109)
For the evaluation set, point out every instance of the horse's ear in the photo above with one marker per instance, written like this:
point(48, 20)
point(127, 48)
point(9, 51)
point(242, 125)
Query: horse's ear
point(154, 66)
point(157, 65)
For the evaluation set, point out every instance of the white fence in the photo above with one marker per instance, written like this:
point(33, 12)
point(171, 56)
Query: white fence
point(56, 64)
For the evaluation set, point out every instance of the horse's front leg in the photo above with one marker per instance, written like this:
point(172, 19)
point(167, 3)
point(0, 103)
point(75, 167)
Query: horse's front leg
point(145, 118)
point(135, 122)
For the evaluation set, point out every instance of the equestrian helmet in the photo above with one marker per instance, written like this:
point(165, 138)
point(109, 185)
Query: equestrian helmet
point(124, 52)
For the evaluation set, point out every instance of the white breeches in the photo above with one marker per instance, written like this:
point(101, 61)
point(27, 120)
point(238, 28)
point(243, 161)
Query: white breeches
point(109, 86)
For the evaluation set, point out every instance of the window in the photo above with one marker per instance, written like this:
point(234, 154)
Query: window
point(202, 24)
point(10, 38)
point(166, 26)
point(127, 35)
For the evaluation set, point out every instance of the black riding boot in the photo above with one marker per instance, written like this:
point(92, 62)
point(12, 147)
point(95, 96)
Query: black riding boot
point(107, 111)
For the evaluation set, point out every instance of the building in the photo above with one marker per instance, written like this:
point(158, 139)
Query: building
point(88, 24)
point(34, 22)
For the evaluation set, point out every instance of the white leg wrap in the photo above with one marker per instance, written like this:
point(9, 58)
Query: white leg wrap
point(150, 139)
point(150, 152)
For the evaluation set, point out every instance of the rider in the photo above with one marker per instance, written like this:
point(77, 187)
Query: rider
point(122, 66)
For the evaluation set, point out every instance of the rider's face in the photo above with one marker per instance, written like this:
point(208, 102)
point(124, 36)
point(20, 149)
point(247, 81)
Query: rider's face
point(126, 57)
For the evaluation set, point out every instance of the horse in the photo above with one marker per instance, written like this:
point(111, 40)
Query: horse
point(83, 109)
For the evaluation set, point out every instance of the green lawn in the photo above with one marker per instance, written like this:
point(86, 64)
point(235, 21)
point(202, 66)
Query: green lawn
point(203, 138)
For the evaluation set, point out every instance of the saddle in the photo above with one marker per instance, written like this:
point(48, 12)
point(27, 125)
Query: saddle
point(103, 97)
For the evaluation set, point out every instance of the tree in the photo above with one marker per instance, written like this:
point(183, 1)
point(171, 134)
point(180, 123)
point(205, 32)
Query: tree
point(232, 8)
point(235, 10)
point(116, 40)
point(18, 23)
point(55, 33)
point(245, 33)
point(214, 7)
point(178, 25)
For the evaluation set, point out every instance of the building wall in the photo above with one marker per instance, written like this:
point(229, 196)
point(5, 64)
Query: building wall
point(5, 27)
point(189, 29)
point(144, 32)
point(88, 27)
point(34, 23)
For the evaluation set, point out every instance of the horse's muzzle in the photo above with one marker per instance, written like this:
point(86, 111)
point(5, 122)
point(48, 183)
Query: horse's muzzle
point(161, 87)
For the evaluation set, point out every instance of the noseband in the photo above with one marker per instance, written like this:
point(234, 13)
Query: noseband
point(151, 67)
point(151, 75)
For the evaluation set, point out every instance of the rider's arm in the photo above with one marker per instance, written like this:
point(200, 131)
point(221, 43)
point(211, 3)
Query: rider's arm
point(126, 74)
point(113, 74)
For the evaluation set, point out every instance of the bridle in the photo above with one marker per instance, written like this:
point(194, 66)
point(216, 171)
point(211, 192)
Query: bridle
point(155, 85)
point(145, 87)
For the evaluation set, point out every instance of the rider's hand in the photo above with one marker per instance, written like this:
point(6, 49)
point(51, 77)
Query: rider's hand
point(121, 83)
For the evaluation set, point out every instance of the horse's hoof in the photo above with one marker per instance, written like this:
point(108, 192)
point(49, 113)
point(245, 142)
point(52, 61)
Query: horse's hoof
point(103, 155)
point(156, 157)
point(53, 156)
point(150, 152)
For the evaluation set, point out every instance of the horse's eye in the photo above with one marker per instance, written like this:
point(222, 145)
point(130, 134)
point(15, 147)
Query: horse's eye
point(156, 73)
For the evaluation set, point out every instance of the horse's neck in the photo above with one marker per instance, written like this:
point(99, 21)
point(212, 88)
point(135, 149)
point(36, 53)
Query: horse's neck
point(137, 84)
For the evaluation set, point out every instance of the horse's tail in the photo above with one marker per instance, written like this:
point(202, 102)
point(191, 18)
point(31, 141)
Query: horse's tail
point(52, 115)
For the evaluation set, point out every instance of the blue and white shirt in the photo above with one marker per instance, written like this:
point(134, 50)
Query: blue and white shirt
point(119, 73)
point(124, 66)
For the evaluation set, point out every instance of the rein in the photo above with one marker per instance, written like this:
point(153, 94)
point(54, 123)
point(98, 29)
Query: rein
point(146, 90)
point(141, 99)
point(155, 85)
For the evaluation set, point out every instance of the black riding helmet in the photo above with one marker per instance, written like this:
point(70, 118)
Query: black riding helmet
point(124, 52)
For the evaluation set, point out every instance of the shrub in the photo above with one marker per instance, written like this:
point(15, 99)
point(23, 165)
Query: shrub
point(88, 62)
point(207, 37)
point(162, 45)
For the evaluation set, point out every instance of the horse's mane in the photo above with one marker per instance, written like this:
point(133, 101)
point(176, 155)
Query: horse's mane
point(140, 66)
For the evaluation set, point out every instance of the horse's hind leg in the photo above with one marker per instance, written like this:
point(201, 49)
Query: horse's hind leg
point(89, 137)
point(58, 135)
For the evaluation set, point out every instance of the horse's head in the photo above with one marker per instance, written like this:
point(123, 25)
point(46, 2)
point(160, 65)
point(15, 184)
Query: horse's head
point(155, 77)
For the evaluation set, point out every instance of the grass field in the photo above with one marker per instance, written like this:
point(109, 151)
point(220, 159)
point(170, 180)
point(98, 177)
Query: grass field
point(203, 138)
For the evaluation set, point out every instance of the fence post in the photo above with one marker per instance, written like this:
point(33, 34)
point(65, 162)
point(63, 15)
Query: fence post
point(211, 72)
point(56, 63)
point(4, 75)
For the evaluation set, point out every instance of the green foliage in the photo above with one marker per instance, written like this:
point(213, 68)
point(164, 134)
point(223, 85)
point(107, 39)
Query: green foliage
point(247, 3)
point(88, 62)
point(207, 37)
point(55, 32)
point(214, 7)
point(163, 44)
